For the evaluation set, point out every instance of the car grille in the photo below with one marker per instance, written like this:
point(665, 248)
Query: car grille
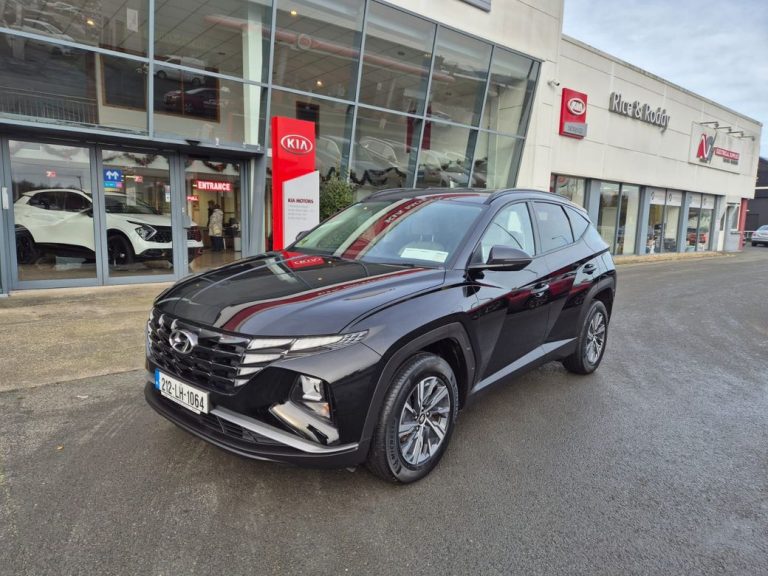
point(163, 235)
point(213, 362)
point(194, 233)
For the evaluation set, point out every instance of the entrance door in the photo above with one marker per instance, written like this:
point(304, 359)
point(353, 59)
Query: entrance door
point(138, 216)
point(214, 206)
point(50, 218)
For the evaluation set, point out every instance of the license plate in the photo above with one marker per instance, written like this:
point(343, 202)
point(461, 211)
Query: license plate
point(181, 393)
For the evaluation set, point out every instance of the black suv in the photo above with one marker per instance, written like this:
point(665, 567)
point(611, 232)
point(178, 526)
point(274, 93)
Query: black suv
point(362, 340)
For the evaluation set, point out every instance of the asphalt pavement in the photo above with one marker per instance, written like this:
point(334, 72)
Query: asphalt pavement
point(656, 464)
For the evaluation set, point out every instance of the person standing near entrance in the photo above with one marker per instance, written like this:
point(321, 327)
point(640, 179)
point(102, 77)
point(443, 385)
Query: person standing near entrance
point(216, 229)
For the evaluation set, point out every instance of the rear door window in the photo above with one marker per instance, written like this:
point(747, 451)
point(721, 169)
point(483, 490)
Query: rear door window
point(554, 227)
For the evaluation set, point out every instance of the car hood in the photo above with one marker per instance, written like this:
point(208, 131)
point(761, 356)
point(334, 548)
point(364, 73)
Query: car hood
point(292, 294)
point(150, 219)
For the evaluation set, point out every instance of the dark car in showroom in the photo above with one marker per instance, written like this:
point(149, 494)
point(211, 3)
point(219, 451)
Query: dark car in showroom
point(360, 342)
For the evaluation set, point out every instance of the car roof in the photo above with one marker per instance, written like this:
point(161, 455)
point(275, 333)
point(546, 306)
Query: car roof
point(473, 195)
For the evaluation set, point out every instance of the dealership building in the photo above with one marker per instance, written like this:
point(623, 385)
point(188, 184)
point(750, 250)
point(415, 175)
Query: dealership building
point(124, 123)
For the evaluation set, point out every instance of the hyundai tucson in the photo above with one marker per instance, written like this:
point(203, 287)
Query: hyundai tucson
point(361, 341)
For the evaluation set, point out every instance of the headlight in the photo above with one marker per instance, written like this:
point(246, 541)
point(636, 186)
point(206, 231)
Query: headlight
point(307, 343)
point(263, 351)
point(145, 231)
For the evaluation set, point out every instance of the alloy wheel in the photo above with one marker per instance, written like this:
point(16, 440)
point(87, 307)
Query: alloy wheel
point(595, 338)
point(424, 420)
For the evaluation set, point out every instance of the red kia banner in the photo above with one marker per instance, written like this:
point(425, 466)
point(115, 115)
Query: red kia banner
point(293, 156)
point(573, 114)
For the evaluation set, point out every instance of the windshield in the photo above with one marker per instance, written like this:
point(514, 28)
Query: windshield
point(118, 204)
point(417, 231)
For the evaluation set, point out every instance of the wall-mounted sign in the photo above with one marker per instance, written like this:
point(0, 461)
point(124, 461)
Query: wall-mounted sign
point(715, 149)
point(213, 185)
point(113, 175)
point(573, 114)
point(639, 111)
point(193, 198)
point(50, 173)
point(295, 182)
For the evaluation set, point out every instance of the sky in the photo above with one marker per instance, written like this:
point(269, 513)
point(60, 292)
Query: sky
point(715, 48)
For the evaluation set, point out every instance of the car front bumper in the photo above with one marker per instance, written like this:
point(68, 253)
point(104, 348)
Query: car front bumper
point(252, 438)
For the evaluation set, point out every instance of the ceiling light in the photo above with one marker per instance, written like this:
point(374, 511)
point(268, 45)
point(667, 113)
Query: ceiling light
point(90, 22)
point(294, 13)
point(319, 83)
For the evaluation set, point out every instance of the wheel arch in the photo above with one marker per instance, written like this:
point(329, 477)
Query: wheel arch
point(450, 341)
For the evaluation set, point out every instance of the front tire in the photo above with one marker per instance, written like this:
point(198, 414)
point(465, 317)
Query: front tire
point(592, 341)
point(416, 420)
point(119, 250)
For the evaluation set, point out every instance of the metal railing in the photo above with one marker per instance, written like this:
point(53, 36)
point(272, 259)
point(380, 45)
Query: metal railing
point(50, 107)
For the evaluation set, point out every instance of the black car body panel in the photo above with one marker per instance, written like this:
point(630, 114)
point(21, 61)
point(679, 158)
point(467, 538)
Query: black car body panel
point(488, 324)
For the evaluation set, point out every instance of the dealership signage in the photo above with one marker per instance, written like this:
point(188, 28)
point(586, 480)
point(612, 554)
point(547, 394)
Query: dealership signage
point(113, 178)
point(639, 111)
point(714, 149)
point(213, 185)
point(573, 114)
point(295, 182)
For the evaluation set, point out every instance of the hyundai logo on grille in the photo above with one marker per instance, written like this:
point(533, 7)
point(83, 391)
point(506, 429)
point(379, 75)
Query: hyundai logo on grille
point(182, 341)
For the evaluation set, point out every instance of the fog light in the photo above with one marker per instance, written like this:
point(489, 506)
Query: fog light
point(313, 395)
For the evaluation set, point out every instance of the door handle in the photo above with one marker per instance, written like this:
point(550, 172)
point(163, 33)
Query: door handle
point(589, 268)
point(540, 289)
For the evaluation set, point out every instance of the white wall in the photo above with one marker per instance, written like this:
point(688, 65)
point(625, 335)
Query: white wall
point(625, 149)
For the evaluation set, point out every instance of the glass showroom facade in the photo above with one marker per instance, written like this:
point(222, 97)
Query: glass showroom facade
point(127, 124)
point(643, 219)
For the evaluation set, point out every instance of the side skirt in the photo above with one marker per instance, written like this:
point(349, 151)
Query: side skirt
point(536, 357)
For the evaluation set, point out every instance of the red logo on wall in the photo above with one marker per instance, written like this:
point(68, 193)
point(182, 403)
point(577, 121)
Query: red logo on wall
point(296, 144)
point(293, 155)
point(573, 114)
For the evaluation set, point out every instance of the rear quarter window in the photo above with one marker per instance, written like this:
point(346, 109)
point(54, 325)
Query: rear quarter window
point(579, 223)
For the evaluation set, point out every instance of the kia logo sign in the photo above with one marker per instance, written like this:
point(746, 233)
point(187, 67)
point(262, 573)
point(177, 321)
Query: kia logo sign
point(576, 106)
point(296, 144)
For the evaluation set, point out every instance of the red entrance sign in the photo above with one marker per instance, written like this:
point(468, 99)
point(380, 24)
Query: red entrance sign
point(573, 114)
point(293, 155)
point(213, 185)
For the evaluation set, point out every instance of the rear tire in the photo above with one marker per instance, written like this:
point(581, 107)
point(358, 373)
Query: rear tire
point(26, 249)
point(592, 341)
point(416, 420)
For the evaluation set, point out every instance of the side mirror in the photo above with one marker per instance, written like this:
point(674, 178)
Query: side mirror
point(506, 259)
point(301, 235)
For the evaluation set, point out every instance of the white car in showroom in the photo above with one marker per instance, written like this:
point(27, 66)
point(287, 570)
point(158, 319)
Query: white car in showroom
point(60, 222)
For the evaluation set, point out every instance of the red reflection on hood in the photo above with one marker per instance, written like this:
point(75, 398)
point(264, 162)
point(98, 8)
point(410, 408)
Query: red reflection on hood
point(234, 323)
